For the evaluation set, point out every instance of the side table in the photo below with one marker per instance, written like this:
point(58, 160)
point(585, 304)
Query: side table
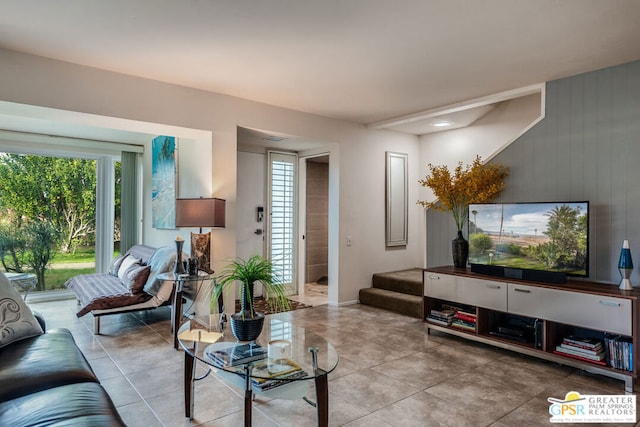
point(24, 281)
point(179, 282)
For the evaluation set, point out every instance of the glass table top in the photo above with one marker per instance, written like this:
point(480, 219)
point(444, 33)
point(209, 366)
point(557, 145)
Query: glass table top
point(185, 277)
point(281, 352)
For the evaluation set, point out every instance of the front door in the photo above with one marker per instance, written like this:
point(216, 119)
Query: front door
point(282, 225)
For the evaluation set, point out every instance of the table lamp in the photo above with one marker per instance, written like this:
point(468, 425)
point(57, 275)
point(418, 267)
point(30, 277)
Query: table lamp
point(201, 212)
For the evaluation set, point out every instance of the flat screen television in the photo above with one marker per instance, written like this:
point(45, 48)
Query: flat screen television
point(541, 236)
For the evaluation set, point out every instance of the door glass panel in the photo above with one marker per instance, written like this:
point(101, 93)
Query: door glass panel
point(282, 225)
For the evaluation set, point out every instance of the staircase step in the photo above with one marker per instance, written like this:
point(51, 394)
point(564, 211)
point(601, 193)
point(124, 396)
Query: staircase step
point(405, 281)
point(398, 302)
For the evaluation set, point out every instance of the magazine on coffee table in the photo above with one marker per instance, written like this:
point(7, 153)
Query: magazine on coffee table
point(236, 354)
point(274, 373)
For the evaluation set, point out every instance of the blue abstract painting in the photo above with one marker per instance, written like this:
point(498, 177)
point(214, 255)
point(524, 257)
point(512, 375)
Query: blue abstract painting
point(163, 182)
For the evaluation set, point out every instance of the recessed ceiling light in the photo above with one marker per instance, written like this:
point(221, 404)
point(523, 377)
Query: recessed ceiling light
point(273, 138)
point(441, 123)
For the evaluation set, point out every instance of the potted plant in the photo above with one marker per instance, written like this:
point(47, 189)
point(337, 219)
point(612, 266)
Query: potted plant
point(246, 325)
point(476, 183)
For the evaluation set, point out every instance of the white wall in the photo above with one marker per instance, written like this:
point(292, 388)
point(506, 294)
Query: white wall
point(251, 176)
point(356, 169)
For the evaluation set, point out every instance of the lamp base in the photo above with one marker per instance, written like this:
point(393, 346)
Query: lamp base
point(201, 249)
point(625, 285)
point(625, 282)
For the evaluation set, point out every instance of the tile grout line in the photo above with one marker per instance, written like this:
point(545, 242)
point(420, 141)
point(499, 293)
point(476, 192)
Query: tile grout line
point(122, 372)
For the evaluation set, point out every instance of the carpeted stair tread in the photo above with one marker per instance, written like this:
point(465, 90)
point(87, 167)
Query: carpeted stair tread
point(398, 302)
point(404, 281)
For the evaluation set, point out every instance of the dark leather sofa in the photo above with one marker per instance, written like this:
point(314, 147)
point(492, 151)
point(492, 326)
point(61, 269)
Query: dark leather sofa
point(46, 380)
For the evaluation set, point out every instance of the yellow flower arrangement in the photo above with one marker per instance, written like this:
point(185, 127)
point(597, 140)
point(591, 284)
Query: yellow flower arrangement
point(476, 183)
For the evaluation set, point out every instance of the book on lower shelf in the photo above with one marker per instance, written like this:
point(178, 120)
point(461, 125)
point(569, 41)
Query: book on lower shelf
point(442, 317)
point(461, 317)
point(575, 351)
point(598, 351)
point(573, 356)
point(619, 351)
point(236, 354)
point(465, 316)
point(273, 373)
point(461, 324)
point(583, 348)
point(584, 342)
point(616, 351)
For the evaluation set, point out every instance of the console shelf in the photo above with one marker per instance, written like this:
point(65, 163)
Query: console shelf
point(544, 314)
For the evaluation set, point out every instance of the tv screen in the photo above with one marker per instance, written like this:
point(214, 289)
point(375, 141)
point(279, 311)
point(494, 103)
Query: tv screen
point(535, 236)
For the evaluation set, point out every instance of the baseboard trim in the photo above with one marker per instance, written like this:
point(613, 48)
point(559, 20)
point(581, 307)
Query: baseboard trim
point(344, 303)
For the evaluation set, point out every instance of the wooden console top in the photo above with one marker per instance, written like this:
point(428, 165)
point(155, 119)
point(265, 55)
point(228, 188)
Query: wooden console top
point(571, 285)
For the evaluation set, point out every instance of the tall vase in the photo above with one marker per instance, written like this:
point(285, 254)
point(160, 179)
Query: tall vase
point(460, 250)
point(178, 266)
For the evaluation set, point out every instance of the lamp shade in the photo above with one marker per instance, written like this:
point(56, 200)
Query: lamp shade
point(200, 212)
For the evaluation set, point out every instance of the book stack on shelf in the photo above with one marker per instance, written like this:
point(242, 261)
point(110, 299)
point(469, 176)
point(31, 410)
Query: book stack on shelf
point(619, 352)
point(442, 317)
point(275, 373)
point(236, 354)
point(587, 349)
point(464, 319)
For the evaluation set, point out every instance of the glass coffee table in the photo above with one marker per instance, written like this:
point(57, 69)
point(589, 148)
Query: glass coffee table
point(297, 356)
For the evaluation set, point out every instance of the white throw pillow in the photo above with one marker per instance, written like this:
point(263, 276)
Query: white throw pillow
point(16, 320)
point(127, 262)
point(115, 265)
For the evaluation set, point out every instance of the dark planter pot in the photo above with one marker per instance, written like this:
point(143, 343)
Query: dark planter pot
point(460, 250)
point(247, 329)
point(244, 326)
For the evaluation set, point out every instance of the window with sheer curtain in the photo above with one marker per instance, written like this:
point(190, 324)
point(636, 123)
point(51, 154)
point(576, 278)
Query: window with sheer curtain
point(106, 155)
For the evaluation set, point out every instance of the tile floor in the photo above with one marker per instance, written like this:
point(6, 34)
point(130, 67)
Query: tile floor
point(391, 373)
point(314, 295)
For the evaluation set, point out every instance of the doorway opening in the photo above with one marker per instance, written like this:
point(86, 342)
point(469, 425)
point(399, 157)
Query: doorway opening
point(314, 218)
point(255, 229)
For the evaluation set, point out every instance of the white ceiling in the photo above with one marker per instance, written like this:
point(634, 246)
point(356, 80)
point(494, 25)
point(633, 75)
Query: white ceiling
point(360, 60)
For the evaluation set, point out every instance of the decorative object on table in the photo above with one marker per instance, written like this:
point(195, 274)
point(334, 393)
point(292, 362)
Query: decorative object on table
point(476, 183)
point(279, 349)
point(178, 267)
point(625, 266)
point(192, 266)
point(201, 212)
point(246, 325)
point(163, 182)
point(235, 354)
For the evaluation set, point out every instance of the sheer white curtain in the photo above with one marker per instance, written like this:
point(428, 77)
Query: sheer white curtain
point(129, 201)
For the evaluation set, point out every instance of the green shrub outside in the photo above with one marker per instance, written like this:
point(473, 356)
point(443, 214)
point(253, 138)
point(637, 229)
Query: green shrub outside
point(55, 276)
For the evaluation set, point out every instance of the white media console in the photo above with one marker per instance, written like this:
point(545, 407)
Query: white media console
point(557, 310)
